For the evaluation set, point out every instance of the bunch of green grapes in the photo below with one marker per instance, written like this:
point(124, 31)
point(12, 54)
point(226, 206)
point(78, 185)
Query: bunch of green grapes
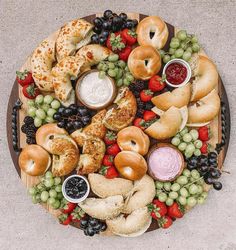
point(49, 191)
point(42, 109)
point(187, 189)
point(116, 69)
point(188, 142)
point(182, 46)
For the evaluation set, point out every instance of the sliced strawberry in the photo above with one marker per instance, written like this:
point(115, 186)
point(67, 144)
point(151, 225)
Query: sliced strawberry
point(156, 83)
point(113, 149)
point(149, 115)
point(175, 210)
point(77, 214)
point(204, 133)
point(146, 95)
point(65, 219)
point(130, 36)
point(109, 172)
point(108, 160)
point(124, 53)
point(165, 222)
point(69, 207)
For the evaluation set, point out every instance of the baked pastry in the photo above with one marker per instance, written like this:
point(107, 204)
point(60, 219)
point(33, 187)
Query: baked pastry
point(152, 31)
point(130, 165)
point(133, 225)
point(34, 160)
point(72, 36)
point(123, 114)
point(63, 71)
point(42, 60)
point(142, 194)
point(167, 126)
point(206, 76)
point(103, 209)
point(144, 62)
point(104, 187)
point(65, 156)
point(178, 98)
point(205, 110)
point(133, 139)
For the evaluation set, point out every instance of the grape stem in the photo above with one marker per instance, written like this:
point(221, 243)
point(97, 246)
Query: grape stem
point(193, 182)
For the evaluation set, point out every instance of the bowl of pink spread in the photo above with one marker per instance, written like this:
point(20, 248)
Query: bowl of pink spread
point(165, 162)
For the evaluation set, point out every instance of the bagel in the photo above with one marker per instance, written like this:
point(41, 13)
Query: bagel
point(133, 225)
point(205, 110)
point(121, 116)
point(103, 209)
point(63, 71)
point(34, 160)
point(42, 60)
point(144, 62)
point(178, 98)
point(206, 76)
point(133, 139)
point(130, 165)
point(142, 194)
point(72, 36)
point(167, 126)
point(152, 31)
point(104, 187)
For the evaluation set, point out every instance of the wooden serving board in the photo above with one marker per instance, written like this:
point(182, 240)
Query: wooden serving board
point(17, 93)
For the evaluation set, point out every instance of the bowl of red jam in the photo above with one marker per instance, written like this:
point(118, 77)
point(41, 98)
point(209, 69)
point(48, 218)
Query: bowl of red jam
point(177, 73)
point(75, 188)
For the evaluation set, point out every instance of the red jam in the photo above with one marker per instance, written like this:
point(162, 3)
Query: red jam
point(176, 73)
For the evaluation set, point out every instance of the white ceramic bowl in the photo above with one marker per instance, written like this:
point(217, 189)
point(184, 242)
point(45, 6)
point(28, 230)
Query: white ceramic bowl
point(68, 198)
point(189, 72)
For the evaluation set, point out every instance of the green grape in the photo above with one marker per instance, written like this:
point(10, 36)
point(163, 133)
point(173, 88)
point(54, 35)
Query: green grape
point(111, 65)
point(178, 135)
point(159, 185)
point(126, 82)
point(30, 103)
point(175, 141)
point(119, 73)
point(49, 119)
point(111, 73)
point(166, 58)
point(195, 47)
point(44, 196)
point(194, 134)
point(195, 174)
point(187, 137)
point(49, 182)
point(105, 67)
point(59, 196)
point(172, 57)
point(51, 112)
point(188, 154)
point(191, 179)
point(48, 99)
point(182, 35)
point(200, 189)
point(113, 58)
point(45, 107)
point(183, 192)
point(197, 152)
point(55, 104)
point(182, 200)
point(171, 51)
point(182, 146)
point(100, 65)
point(187, 56)
point(167, 186)
point(200, 182)
point(37, 122)
point(204, 195)
point(191, 201)
point(58, 188)
point(198, 144)
point(190, 148)
point(162, 197)
point(200, 200)
point(169, 201)
point(186, 172)
point(130, 77)
point(182, 180)
point(179, 53)
point(52, 193)
point(119, 82)
point(189, 49)
point(183, 45)
point(57, 181)
point(194, 39)
point(40, 113)
point(193, 189)
point(51, 200)
point(48, 174)
point(162, 53)
point(39, 99)
point(175, 39)
point(175, 187)
point(32, 111)
point(174, 44)
point(184, 131)
point(38, 197)
point(173, 195)
point(32, 191)
point(121, 64)
point(34, 199)
point(101, 74)
point(56, 204)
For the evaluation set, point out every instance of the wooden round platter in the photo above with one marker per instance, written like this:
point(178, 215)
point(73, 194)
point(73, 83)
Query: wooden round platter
point(16, 93)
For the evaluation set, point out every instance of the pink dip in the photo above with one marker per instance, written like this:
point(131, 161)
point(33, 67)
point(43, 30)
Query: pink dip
point(164, 163)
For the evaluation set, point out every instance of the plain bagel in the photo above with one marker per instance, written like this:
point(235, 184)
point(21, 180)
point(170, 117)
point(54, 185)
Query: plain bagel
point(34, 160)
point(133, 139)
point(144, 62)
point(152, 31)
point(130, 165)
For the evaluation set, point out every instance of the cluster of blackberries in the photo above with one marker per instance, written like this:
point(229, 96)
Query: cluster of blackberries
point(220, 145)
point(207, 167)
point(29, 130)
point(108, 23)
point(92, 226)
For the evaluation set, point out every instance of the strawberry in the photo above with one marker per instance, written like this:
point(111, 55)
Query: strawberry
point(205, 148)
point(113, 149)
point(175, 210)
point(204, 133)
point(69, 207)
point(156, 83)
point(110, 138)
point(149, 115)
point(124, 53)
point(139, 122)
point(108, 160)
point(65, 219)
point(24, 78)
point(165, 222)
point(115, 42)
point(109, 172)
point(30, 91)
point(157, 208)
point(130, 36)
point(77, 214)
point(146, 95)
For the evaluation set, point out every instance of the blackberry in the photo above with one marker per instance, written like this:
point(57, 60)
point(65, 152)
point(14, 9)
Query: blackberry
point(136, 93)
point(24, 128)
point(140, 85)
point(28, 120)
point(140, 104)
point(140, 113)
point(32, 127)
point(30, 140)
point(148, 106)
point(30, 133)
point(132, 87)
